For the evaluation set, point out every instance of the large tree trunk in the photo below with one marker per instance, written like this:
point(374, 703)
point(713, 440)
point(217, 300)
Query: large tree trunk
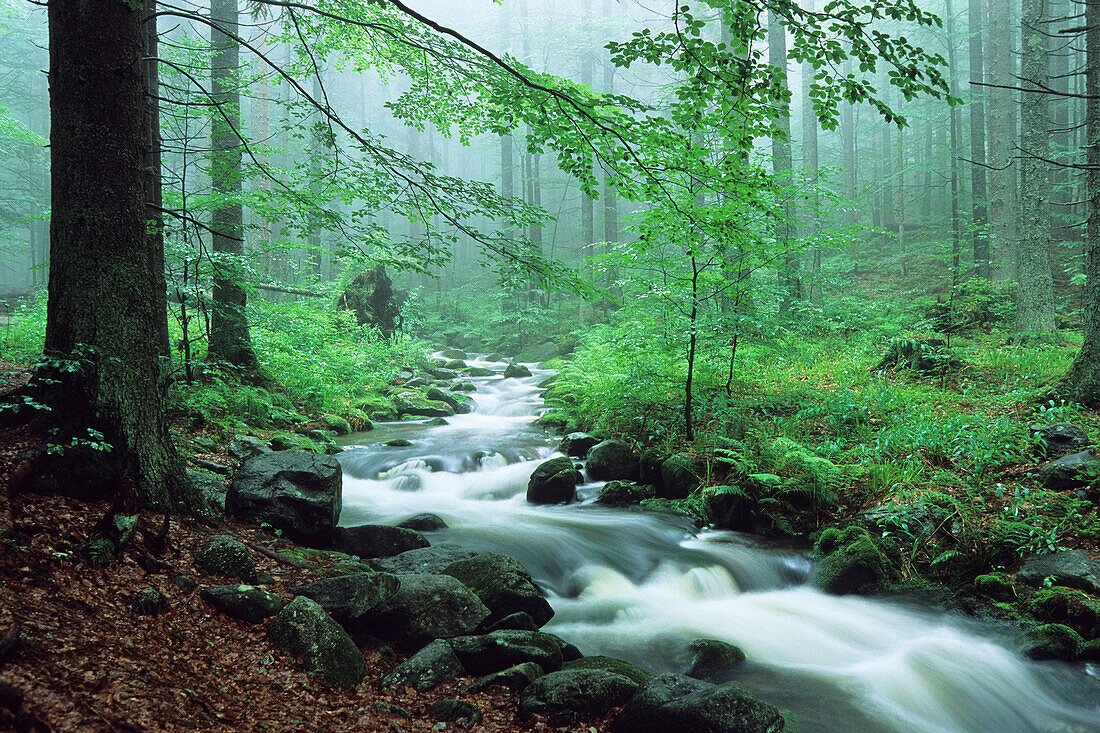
point(106, 309)
point(1002, 139)
point(1035, 297)
point(1082, 383)
point(230, 340)
point(977, 142)
point(953, 127)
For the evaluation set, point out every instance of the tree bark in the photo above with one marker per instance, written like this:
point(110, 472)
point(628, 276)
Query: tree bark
point(1002, 140)
point(230, 340)
point(1035, 297)
point(810, 164)
point(106, 309)
point(980, 239)
point(1082, 382)
point(782, 163)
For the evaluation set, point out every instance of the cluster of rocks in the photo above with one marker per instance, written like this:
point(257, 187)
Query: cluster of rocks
point(630, 477)
point(1072, 465)
point(462, 613)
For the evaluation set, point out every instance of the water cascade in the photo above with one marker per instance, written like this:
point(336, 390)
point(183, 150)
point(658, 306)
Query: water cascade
point(641, 586)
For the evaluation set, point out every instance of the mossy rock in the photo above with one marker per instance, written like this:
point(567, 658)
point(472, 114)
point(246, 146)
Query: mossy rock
point(635, 674)
point(1053, 641)
point(478, 372)
point(336, 424)
point(377, 407)
point(1074, 608)
point(851, 563)
point(554, 420)
point(295, 441)
point(227, 557)
point(624, 493)
point(997, 586)
point(454, 364)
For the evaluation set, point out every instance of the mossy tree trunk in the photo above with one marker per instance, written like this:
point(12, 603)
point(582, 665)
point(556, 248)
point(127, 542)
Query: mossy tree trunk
point(106, 309)
point(1082, 383)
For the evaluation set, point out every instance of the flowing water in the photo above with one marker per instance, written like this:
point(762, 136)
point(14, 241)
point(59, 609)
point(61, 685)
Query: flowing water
point(641, 586)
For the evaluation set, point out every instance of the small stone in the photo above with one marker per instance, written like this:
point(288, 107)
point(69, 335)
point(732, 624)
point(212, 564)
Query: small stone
point(460, 710)
point(225, 556)
point(244, 602)
point(150, 602)
point(183, 582)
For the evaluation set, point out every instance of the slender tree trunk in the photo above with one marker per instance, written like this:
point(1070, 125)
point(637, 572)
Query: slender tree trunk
point(977, 142)
point(1035, 297)
point(1002, 139)
point(106, 311)
point(810, 165)
point(782, 164)
point(848, 164)
point(1082, 383)
point(588, 230)
point(689, 423)
point(953, 127)
point(230, 340)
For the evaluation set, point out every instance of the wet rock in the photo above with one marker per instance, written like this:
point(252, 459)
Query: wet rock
point(433, 664)
point(672, 703)
point(1070, 472)
point(435, 393)
point(465, 404)
point(430, 560)
point(479, 372)
point(569, 695)
point(212, 487)
point(516, 370)
point(1068, 606)
point(428, 607)
point(1060, 438)
point(513, 678)
point(612, 459)
point(423, 522)
point(377, 540)
point(1071, 568)
point(227, 557)
point(336, 424)
point(678, 477)
point(444, 375)
point(419, 405)
point(304, 629)
point(496, 356)
point(850, 562)
point(622, 668)
point(577, 445)
point(243, 602)
point(297, 492)
point(553, 482)
point(463, 387)
point(243, 447)
point(348, 598)
point(624, 493)
point(517, 621)
point(455, 364)
point(503, 585)
point(502, 649)
point(714, 660)
point(1053, 641)
point(398, 443)
point(453, 354)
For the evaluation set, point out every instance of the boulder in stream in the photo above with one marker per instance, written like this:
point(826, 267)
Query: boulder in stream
point(678, 477)
point(428, 607)
point(377, 540)
point(714, 660)
point(553, 482)
point(1053, 641)
point(610, 664)
point(851, 562)
point(430, 560)
point(577, 445)
point(612, 459)
point(516, 370)
point(503, 585)
point(419, 405)
point(499, 650)
point(296, 492)
point(423, 522)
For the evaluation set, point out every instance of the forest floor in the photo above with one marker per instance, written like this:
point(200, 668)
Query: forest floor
point(77, 653)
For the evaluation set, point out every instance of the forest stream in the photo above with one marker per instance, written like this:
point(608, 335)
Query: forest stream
point(641, 586)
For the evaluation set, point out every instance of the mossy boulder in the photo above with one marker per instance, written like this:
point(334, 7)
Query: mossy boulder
point(624, 493)
point(553, 482)
point(429, 560)
point(672, 703)
point(714, 660)
point(1057, 439)
point(453, 354)
point(349, 598)
point(244, 602)
point(455, 364)
point(1071, 568)
point(479, 372)
point(1068, 606)
point(851, 563)
point(433, 664)
point(514, 678)
point(377, 540)
point(304, 629)
point(569, 695)
point(499, 650)
point(1053, 641)
point(612, 459)
point(503, 585)
point(678, 477)
point(997, 586)
point(337, 424)
point(419, 405)
point(428, 607)
point(377, 407)
point(620, 667)
point(227, 557)
point(516, 371)
point(577, 445)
